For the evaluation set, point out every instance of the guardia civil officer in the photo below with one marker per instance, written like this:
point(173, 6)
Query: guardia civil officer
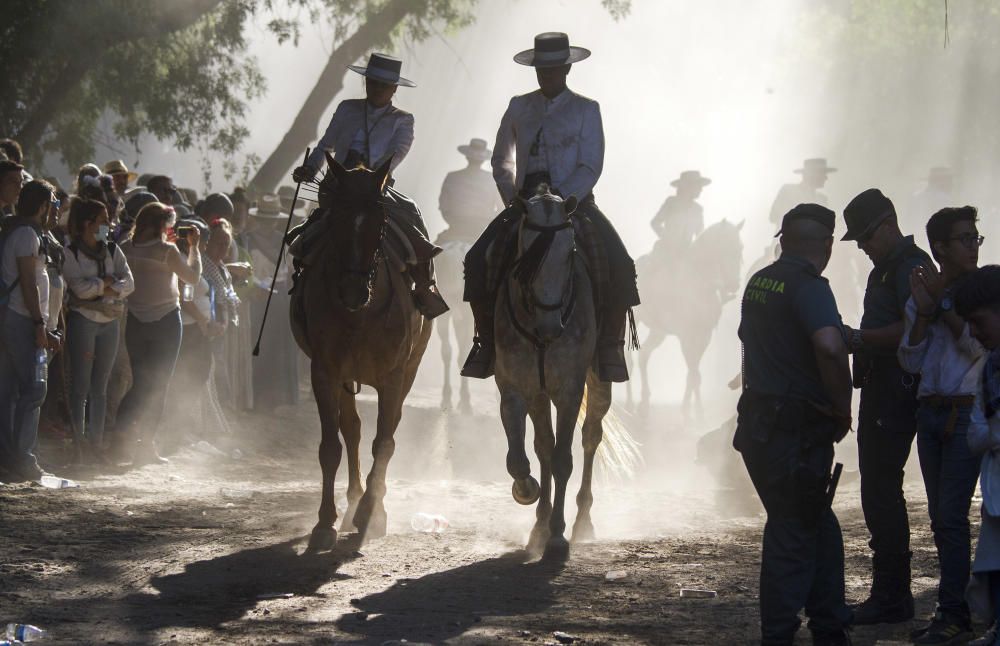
point(887, 417)
point(796, 404)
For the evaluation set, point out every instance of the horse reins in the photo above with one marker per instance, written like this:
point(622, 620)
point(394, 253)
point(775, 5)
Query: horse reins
point(530, 301)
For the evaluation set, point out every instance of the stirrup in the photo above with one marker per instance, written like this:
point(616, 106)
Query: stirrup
point(430, 302)
point(480, 364)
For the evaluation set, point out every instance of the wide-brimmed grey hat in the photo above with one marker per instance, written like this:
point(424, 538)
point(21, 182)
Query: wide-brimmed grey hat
point(691, 177)
point(383, 68)
point(268, 206)
point(476, 149)
point(552, 49)
point(817, 165)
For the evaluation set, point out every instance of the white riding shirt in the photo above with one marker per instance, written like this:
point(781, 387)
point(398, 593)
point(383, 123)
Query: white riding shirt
point(564, 136)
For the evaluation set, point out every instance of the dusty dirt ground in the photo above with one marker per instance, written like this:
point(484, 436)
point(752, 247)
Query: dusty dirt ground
point(184, 553)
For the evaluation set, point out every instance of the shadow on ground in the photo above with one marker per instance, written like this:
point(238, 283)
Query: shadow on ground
point(446, 604)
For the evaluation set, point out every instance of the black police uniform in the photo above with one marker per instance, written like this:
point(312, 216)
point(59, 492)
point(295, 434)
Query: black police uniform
point(887, 421)
point(787, 446)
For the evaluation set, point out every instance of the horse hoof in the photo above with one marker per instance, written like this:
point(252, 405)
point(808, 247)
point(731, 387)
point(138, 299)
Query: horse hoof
point(536, 542)
point(322, 539)
point(526, 492)
point(583, 531)
point(556, 549)
point(372, 527)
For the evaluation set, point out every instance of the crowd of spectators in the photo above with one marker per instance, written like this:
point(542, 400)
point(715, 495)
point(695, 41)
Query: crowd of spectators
point(146, 295)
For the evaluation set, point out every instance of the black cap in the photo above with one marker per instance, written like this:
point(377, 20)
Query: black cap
point(814, 212)
point(865, 212)
point(217, 204)
point(137, 200)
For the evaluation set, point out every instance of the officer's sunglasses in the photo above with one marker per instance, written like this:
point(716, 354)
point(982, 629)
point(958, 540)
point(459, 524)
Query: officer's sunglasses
point(969, 240)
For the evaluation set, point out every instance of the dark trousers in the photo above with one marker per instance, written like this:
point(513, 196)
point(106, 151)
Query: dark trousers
point(802, 564)
point(623, 290)
point(887, 422)
point(152, 352)
point(950, 473)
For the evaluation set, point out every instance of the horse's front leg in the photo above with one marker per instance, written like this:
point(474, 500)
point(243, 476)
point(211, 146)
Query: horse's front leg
point(370, 517)
point(541, 421)
point(567, 411)
point(598, 404)
point(324, 536)
point(350, 428)
point(513, 411)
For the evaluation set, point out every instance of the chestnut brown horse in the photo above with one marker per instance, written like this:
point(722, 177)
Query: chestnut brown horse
point(353, 315)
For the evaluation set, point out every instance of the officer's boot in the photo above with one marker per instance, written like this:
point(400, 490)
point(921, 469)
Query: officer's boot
point(480, 362)
point(611, 345)
point(425, 292)
point(890, 600)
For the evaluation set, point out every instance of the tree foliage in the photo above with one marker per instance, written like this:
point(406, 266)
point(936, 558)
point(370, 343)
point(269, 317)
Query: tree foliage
point(75, 74)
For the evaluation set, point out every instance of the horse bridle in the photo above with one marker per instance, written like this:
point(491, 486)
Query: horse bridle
point(531, 302)
point(372, 268)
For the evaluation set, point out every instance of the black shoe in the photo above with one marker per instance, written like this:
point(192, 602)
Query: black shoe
point(430, 302)
point(611, 362)
point(875, 610)
point(840, 638)
point(481, 361)
point(943, 629)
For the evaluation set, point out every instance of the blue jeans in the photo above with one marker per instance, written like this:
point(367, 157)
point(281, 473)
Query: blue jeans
point(950, 473)
point(21, 397)
point(92, 349)
point(152, 352)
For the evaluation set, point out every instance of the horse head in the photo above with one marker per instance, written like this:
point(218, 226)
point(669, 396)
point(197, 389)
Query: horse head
point(353, 200)
point(543, 269)
point(721, 244)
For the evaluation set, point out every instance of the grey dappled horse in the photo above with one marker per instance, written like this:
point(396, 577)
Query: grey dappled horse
point(684, 296)
point(546, 334)
point(459, 319)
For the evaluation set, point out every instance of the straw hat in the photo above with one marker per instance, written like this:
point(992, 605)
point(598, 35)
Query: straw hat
point(118, 167)
point(476, 149)
point(691, 177)
point(268, 206)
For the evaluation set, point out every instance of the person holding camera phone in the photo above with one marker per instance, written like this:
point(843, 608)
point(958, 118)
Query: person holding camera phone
point(153, 331)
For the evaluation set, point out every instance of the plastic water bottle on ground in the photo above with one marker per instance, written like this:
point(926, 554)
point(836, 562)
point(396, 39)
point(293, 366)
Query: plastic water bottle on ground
point(50, 481)
point(41, 366)
point(24, 633)
point(615, 575)
point(428, 523)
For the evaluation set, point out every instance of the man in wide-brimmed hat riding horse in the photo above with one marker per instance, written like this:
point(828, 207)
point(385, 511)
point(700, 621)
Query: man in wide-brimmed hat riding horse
point(552, 137)
point(370, 132)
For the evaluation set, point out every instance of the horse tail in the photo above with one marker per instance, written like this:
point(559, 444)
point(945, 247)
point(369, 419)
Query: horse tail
point(618, 455)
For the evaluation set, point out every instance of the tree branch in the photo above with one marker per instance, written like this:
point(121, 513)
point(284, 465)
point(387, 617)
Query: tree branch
point(377, 29)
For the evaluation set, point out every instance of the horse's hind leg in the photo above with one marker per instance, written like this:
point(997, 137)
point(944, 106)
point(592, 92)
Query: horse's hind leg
point(463, 335)
point(324, 536)
point(598, 403)
point(370, 517)
point(652, 342)
point(444, 335)
point(350, 428)
point(541, 420)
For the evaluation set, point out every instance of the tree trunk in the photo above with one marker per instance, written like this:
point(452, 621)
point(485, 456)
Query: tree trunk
point(302, 133)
